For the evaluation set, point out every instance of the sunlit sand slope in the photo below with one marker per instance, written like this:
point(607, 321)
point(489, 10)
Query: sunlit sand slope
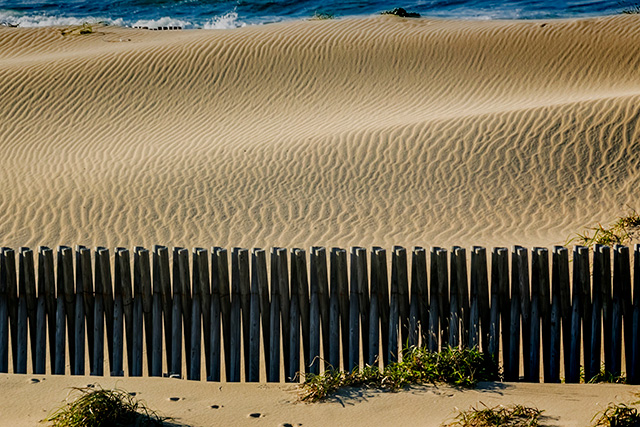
point(370, 131)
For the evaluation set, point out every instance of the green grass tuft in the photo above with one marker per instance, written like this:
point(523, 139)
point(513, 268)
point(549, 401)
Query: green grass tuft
point(104, 408)
point(462, 368)
point(604, 377)
point(619, 232)
point(618, 415)
point(504, 416)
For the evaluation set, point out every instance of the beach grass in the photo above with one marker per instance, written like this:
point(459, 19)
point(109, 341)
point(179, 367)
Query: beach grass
point(504, 416)
point(619, 232)
point(618, 415)
point(97, 407)
point(462, 368)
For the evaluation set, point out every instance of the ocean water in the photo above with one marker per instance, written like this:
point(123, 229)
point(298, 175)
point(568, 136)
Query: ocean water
point(222, 14)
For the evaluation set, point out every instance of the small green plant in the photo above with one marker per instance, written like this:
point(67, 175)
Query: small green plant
point(104, 408)
point(320, 16)
point(604, 377)
point(401, 12)
point(618, 233)
point(504, 416)
point(462, 368)
point(618, 415)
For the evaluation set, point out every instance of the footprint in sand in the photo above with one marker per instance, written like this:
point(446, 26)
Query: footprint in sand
point(255, 415)
point(216, 406)
point(175, 399)
point(34, 380)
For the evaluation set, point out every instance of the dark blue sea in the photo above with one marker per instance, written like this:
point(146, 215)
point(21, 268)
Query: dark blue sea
point(221, 14)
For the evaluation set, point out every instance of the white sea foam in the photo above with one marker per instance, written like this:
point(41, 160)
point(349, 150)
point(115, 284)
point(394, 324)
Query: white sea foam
point(224, 22)
point(15, 20)
point(165, 21)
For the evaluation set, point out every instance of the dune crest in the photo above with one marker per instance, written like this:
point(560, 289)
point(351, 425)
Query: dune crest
point(350, 132)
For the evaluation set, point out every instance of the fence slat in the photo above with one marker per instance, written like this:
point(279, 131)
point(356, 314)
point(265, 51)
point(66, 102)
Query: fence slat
point(463, 295)
point(627, 304)
point(245, 304)
point(443, 297)
point(525, 306)
point(161, 274)
point(383, 303)
point(273, 369)
point(254, 333)
point(334, 315)
point(545, 309)
point(22, 312)
point(454, 303)
point(498, 258)
point(474, 303)
point(313, 362)
point(80, 315)
point(632, 370)
point(30, 289)
point(607, 306)
point(596, 313)
point(11, 286)
point(400, 255)
point(342, 286)
point(483, 292)
point(303, 304)
point(363, 298)
point(265, 308)
point(512, 373)
point(534, 342)
point(195, 352)
point(323, 299)
point(175, 364)
point(294, 323)
point(418, 296)
point(434, 303)
point(4, 315)
point(573, 375)
point(44, 284)
point(156, 310)
point(118, 319)
point(283, 291)
point(556, 318)
point(185, 300)
point(235, 343)
point(585, 310)
point(214, 371)
point(354, 314)
point(205, 305)
point(394, 309)
point(84, 274)
point(374, 312)
point(220, 269)
point(617, 312)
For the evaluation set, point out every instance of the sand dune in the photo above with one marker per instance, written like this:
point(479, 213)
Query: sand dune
point(349, 132)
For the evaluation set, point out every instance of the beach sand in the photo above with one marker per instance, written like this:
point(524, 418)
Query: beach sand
point(378, 131)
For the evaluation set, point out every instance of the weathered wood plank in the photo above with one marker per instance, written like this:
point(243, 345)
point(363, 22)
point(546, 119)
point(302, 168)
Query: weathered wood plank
point(314, 313)
point(443, 297)
point(354, 315)
point(97, 367)
point(320, 260)
point(513, 371)
point(302, 281)
point(84, 276)
point(418, 302)
point(402, 276)
point(633, 369)
point(342, 285)
point(178, 266)
point(534, 337)
point(265, 308)
point(383, 302)
point(474, 302)
point(363, 298)
point(627, 304)
point(373, 351)
point(556, 318)
point(4, 315)
point(494, 327)
point(214, 371)
point(156, 310)
point(45, 278)
point(254, 326)
point(394, 309)
point(483, 295)
point(607, 306)
point(294, 324)
point(504, 301)
point(11, 285)
point(245, 304)
point(617, 312)
point(195, 352)
point(525, 305)
point(585, 310)
point(30, 293)
point(117, 368)
point(545, 310)
point(235, 340)
point(454, 303)
point(220, 269)
point(463, 294)
point(273, 369)
point(283, 291)
point(22, 313)
point(185, 300)
point(596, 312)
point(434, 303)
point(205, 304)
point(139, 312)
point(162, 276)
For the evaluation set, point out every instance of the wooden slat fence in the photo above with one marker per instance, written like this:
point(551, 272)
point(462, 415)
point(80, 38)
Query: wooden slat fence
point(244, 315)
